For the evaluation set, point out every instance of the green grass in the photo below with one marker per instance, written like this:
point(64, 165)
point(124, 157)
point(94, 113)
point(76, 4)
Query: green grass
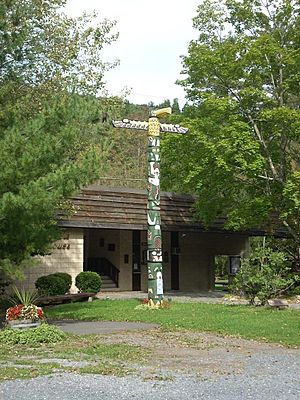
point(278, 326)
point(8, 373)
point(89, 354)
point(27, 361)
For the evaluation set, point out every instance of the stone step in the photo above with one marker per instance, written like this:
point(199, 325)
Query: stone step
point(107, 283)
point(115, 289)
point(105, 278)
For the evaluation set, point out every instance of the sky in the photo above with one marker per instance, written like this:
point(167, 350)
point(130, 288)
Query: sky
point(152, 37)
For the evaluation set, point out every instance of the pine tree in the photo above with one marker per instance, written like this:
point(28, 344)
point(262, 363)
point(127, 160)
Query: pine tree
point(51, 137)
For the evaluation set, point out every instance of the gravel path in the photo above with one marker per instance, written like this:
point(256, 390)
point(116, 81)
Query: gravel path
point(182, 365)
point(276, 381)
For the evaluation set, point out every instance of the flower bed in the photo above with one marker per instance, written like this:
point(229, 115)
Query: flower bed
point(21, 316)
point(21, 312)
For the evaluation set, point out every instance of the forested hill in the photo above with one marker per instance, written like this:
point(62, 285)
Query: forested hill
point(127, 164)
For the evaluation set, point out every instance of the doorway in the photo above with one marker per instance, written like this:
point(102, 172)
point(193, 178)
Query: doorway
point(221, 272)
point(136, 260)
point(175, 260)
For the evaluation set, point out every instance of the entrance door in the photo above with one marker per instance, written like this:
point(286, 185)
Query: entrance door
point(136, 260)
point(174, 261)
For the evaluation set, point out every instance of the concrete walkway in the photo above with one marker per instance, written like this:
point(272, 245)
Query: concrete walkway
point(204, 297)
point(99, 327)
point(215, 297)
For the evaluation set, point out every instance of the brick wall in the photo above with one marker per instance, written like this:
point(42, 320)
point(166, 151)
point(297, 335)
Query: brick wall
point(66, 256)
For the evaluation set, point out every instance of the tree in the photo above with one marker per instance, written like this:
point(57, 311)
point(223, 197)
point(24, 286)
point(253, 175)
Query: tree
point(51, 137)
point(39, 45)
point(165, 103)
point(242, 153)
point(265, 275)
point(176, 107)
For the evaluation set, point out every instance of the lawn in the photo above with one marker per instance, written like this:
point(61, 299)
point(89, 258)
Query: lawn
point(277, 326)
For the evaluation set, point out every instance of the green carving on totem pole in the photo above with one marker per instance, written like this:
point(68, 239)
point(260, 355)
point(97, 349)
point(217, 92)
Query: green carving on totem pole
point(154, 240)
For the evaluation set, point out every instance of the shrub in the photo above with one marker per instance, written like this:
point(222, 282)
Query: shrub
point(88, 282)
point(66, 277)
point(265, 275)
point(42, 334)
point(53, 284)
point(4, 282)
point(23, 296)
point(296, 291)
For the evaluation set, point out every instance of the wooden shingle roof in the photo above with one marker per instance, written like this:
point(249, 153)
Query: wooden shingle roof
point(122, 208)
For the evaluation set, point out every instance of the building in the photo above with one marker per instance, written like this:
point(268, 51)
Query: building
point(107, 234)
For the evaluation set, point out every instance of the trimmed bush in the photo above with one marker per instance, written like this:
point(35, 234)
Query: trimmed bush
point(66, 277)
point(54, 284)
point(88, 282)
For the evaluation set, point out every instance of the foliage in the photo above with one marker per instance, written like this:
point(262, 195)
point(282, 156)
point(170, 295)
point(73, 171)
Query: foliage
point(265, 275)
point(88, 282)
point(43, 47)
point(242, 82)
point(67, 278)
point(129, 157)
point(23, 296)
point(128, 152)
point(221, 266)
point(42, 334)
point(4, 282)
point(20, 312)
point(175, 107)
point(52, 285)
point(296, 290)
point(284, 245)
point(245, 321)
point(38, 175)
point(51, 67)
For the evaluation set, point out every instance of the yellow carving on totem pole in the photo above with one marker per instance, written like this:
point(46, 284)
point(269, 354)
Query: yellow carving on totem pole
point(154, 124)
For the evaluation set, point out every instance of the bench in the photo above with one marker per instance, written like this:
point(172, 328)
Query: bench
point(64, 298)
point(278, 303)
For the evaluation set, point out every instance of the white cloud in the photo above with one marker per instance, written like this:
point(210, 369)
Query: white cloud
point(153, 35)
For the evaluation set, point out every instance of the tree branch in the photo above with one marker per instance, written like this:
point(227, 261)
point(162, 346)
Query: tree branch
point(292, 231)
point(265, 147)
point(272, 79)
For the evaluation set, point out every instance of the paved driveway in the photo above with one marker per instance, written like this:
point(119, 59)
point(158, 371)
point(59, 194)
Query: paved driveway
point(103, 327)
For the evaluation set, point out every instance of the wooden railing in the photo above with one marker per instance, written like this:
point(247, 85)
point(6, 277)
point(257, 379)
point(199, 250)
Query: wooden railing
point(103, 266)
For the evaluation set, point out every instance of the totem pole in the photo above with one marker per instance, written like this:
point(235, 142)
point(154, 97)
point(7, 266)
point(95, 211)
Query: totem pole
point(154, 242)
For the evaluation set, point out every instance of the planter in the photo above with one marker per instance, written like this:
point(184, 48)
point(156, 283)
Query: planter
point(23, 323)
